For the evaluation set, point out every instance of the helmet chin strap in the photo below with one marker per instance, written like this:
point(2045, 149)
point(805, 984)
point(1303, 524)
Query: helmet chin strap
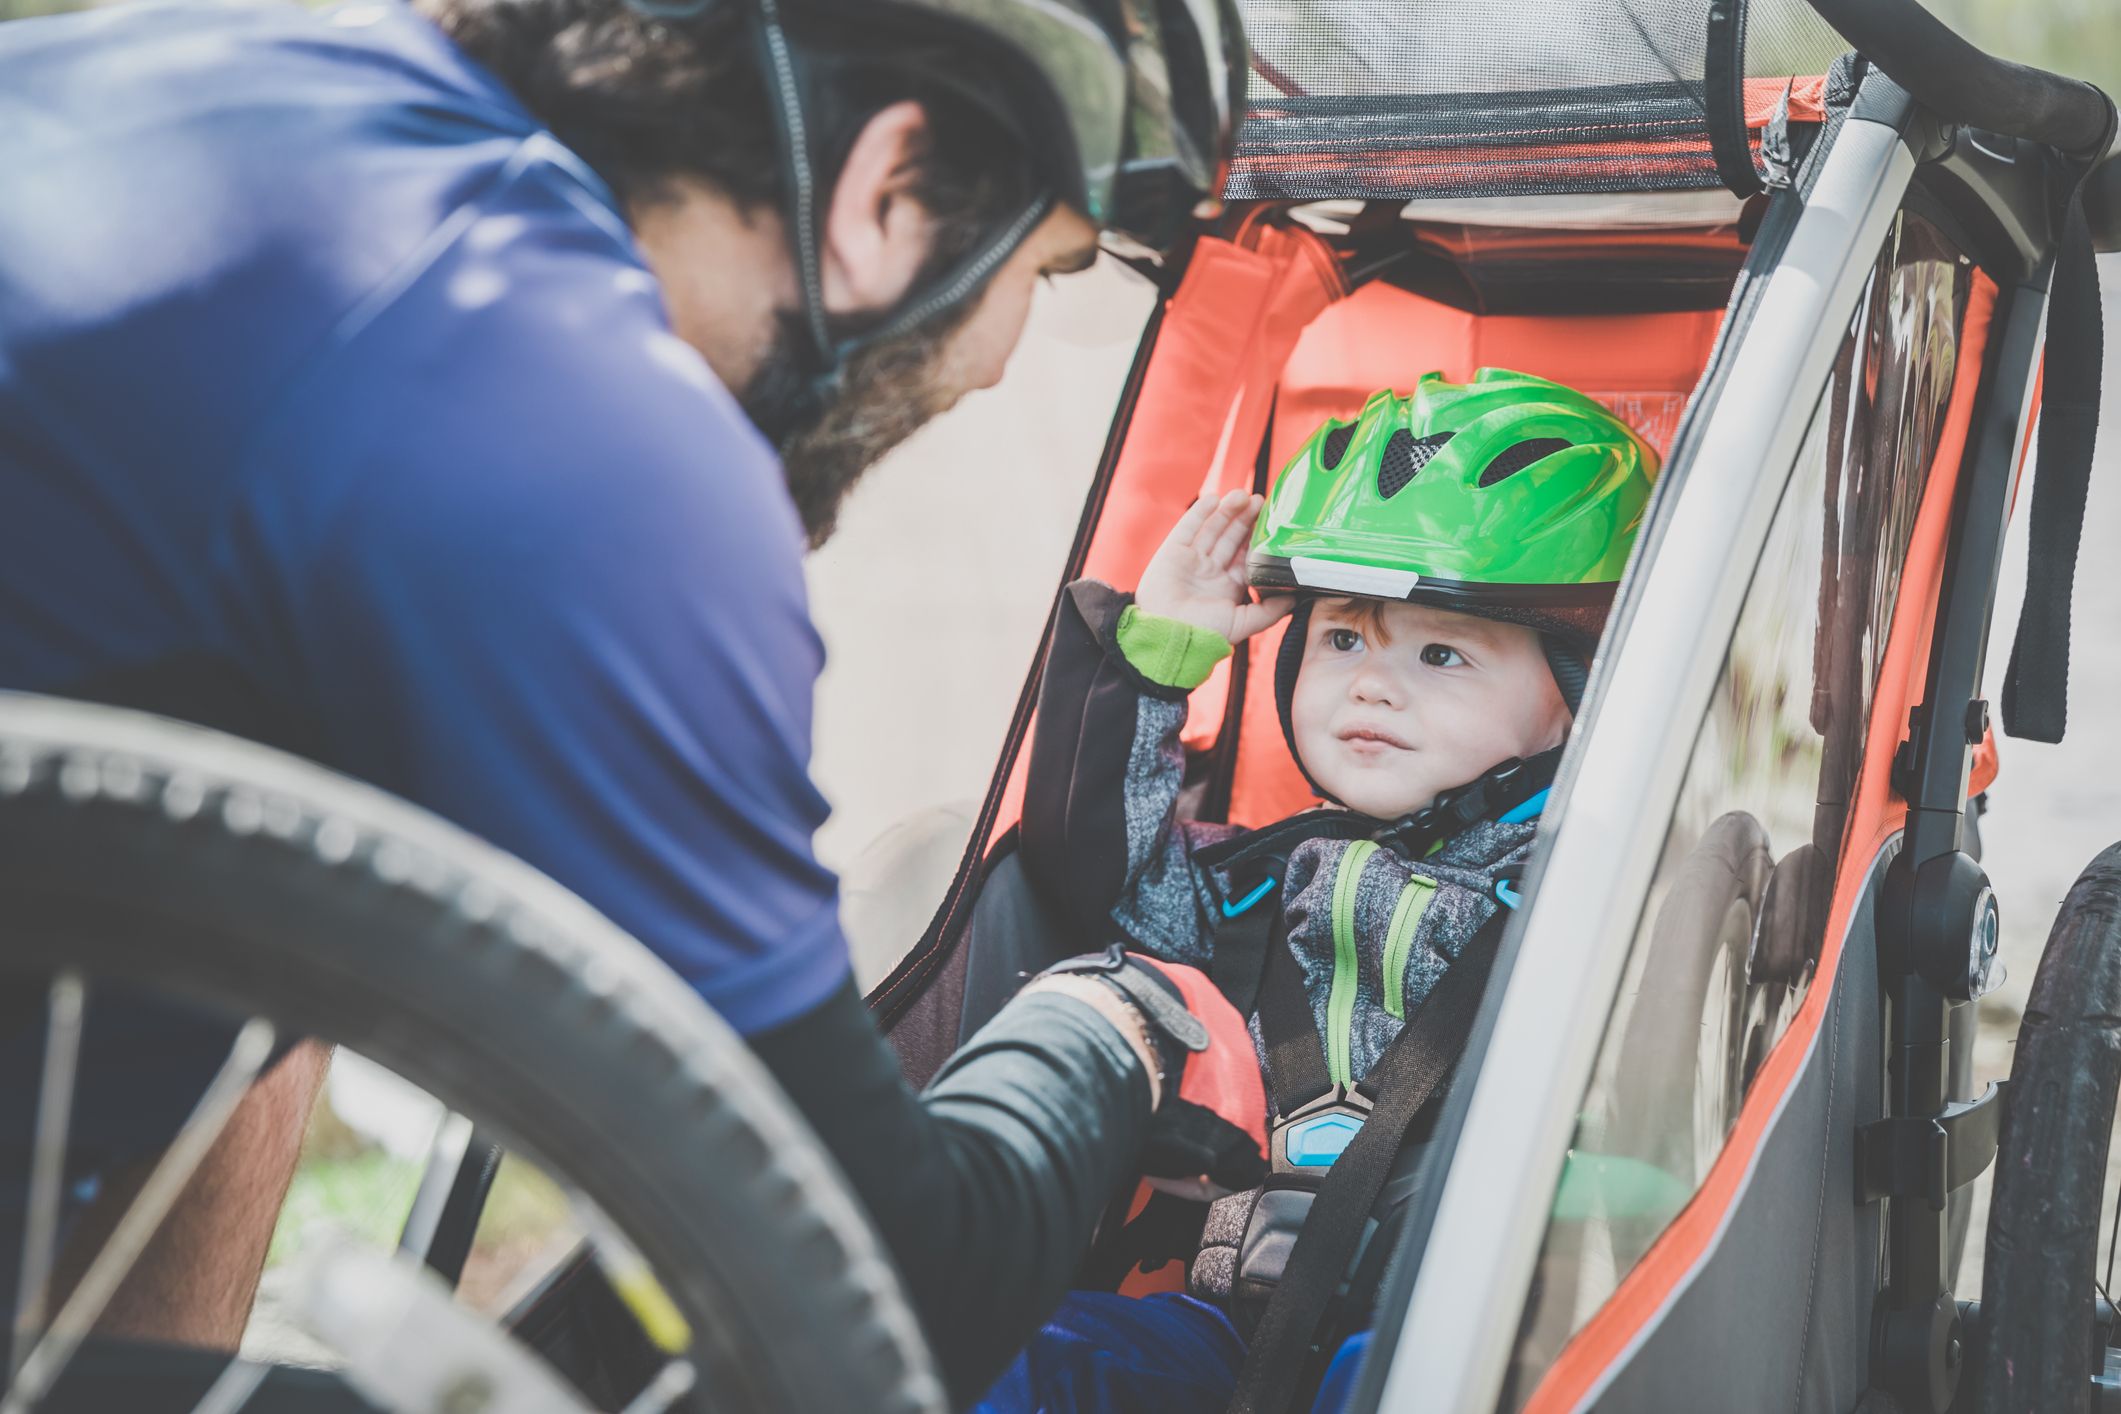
point(829, 356)
point(1495, 793)
point(1571, 673)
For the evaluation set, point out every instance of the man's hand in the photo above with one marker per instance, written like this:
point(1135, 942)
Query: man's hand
point(1197, 575)
point(1208, 1135)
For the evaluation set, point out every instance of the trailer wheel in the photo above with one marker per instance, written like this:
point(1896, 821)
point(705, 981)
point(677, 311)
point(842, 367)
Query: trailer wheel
point(2037, 1339)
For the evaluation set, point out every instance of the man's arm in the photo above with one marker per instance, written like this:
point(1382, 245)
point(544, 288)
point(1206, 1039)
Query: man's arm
point(988, 1187)
point(557, 597)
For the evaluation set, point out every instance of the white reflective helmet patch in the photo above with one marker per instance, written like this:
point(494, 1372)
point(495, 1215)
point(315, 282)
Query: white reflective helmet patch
point(1371, 581)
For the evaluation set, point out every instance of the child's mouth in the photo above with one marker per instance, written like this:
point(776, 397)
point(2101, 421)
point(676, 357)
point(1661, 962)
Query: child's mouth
point(1373, 739)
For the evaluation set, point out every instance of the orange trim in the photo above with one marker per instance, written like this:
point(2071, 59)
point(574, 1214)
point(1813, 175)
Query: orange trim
point(1875, 817)
point(2032, 420)
point(1171, 1276)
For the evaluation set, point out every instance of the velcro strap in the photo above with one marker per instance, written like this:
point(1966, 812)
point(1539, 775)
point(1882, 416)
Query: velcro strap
point(1152, 994)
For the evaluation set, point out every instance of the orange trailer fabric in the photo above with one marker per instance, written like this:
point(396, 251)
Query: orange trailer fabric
point(1203, 404)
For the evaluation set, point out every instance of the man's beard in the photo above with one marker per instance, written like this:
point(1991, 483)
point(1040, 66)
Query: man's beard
point(887, 392)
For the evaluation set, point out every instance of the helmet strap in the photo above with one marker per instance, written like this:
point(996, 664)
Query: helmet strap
point(828, 356)
point(1494, 794)
point(1286, 663)
point(1571, 672)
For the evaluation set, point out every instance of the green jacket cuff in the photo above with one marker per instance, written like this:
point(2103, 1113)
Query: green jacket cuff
point(1169, 652)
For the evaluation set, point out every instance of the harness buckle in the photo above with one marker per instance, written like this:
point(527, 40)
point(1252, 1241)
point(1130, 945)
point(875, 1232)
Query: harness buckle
point(1308, 1140)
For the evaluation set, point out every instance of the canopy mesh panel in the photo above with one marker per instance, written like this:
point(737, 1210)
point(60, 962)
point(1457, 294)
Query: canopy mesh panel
point(1402, 98)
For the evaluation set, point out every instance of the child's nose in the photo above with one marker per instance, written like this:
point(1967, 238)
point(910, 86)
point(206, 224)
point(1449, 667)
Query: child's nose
point(1377, 688)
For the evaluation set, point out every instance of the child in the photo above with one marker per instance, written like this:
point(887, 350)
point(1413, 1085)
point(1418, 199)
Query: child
point(1446, 563)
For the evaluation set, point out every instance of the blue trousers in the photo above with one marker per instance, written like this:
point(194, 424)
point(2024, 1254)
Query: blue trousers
point(1115, 1354)
point(1101, 1353)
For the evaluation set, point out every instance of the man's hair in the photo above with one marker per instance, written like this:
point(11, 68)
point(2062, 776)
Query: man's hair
point(647, 102)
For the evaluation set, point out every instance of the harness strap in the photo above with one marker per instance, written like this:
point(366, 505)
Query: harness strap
point(1408, 1075)
point(1297, 1072)
point(1267, 848)
point(1243, 941)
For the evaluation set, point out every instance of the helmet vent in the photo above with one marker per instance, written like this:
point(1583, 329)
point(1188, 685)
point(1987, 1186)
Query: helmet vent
point(1336, 445)
point(1513, 459)
point(1404, 455)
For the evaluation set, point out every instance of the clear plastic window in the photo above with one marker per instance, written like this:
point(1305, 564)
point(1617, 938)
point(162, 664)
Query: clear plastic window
point(1732, 925)
point(932, 599)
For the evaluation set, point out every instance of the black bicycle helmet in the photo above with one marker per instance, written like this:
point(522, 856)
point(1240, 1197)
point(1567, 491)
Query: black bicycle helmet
point(1128, 108)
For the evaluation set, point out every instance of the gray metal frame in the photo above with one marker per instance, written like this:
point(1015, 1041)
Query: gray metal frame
point(1651, 692)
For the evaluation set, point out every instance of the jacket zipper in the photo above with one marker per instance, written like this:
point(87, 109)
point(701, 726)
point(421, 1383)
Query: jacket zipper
point(1407, 914)
point(1340, 1002)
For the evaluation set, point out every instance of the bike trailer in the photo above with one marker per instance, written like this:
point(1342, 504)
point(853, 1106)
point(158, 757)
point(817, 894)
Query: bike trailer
point(1709, 1146)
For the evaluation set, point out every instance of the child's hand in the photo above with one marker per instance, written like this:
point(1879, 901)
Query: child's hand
point(1197, 575)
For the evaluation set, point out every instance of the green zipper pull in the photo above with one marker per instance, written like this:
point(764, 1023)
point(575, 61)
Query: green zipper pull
point(1407, 914)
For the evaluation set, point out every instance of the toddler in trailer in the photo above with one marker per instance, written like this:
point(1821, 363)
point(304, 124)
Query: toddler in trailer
point(1446, 563)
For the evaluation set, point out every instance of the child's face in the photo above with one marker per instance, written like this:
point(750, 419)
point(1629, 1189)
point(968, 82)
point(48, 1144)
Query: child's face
point(1384, 721)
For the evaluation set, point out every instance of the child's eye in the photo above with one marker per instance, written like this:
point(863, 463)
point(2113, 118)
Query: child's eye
point(1343, 640)
point(1441, 655)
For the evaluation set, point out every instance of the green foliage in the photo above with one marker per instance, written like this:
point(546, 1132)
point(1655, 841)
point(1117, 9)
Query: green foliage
point(2077, 37)
point(364, 1197)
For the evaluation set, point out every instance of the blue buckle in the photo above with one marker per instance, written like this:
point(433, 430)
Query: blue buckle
point(1244, 905)
point(1316, 1142)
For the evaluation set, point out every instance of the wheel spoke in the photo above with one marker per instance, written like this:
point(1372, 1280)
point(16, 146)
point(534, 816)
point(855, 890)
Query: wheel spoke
point(234, 1387)
point(671, 1384)
point(45, 1362)
point(47, 1173)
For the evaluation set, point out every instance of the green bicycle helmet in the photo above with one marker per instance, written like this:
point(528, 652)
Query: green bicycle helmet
point(1510, 497)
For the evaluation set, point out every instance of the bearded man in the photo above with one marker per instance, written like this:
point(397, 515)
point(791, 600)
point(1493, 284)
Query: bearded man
point(447, 393)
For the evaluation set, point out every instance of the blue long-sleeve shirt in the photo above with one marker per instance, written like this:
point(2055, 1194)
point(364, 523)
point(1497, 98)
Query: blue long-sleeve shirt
point(338, 409)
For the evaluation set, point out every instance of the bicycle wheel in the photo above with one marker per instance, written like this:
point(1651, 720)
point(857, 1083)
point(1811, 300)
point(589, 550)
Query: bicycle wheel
point(1682, 1063)
point(142, 851)
point(2038, 1347)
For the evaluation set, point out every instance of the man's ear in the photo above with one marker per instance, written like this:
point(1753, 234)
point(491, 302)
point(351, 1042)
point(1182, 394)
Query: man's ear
point(877, 232)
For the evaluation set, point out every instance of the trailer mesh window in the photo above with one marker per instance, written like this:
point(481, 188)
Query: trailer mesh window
point(1381, 100)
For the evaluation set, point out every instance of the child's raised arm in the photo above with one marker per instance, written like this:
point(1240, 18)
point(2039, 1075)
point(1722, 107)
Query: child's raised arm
point(1101, 835)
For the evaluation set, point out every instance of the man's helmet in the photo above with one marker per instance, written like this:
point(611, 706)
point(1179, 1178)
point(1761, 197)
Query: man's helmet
point(1128, 108)
point(1509, 497)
